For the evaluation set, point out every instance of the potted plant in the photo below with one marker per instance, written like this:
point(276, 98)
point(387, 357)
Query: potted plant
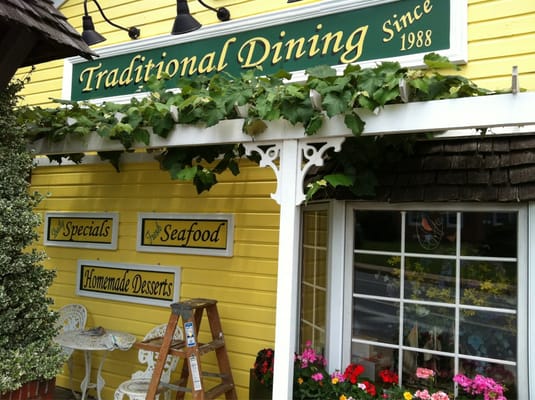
point(261, 375)
point(27, 325)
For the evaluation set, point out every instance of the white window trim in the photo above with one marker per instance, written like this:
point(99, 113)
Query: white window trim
point(525, 313)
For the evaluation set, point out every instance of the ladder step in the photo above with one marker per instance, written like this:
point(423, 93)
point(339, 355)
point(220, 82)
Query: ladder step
point(191, 312)
point(218, 390)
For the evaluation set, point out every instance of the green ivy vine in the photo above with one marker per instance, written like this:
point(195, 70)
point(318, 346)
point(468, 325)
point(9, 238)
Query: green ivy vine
point(207, 100)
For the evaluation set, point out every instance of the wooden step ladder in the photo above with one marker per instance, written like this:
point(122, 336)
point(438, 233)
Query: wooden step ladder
point(191, 378)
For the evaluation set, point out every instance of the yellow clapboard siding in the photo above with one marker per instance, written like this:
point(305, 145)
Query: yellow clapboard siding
point(513, 26)
point(499, 9)
point(511, 46)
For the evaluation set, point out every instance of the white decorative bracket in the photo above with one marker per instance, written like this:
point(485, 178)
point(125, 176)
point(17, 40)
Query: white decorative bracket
point(310, 153)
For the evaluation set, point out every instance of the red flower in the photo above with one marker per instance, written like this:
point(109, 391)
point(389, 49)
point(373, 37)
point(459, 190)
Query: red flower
point(352, 372)
point(389, 376)
point(370, 388)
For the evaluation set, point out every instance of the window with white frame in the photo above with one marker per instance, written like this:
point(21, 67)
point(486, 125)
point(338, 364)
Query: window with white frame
point(438, 289)
point(313, 290)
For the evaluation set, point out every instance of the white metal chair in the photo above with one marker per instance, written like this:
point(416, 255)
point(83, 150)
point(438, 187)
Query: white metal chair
point(71, 317)
point(137, 387)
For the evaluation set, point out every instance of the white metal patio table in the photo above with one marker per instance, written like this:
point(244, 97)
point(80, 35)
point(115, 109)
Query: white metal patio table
point(90, 341)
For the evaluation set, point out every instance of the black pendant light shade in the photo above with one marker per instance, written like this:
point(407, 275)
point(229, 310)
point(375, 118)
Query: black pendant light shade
point(89, 35)
point(184, 22)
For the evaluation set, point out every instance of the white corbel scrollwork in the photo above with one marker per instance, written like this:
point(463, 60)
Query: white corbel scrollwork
point(310, 153)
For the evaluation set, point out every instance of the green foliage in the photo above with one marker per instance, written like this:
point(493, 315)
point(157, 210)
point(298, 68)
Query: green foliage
point(205, 101)
point(27, 326)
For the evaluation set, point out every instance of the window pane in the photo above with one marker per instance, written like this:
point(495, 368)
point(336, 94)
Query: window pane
point(503, 374)
point(489, 284)
point(491, 234)
point(376, 275)
point(378, 230)
point(430, 279)
point(430, 232)
point(429, 327)
point(374, 359)
point(488, 334)
point(376, 320)
point(442, 365)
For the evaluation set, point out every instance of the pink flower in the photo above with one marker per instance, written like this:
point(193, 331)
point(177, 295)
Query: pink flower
point(424, 373)
point(318, 376)
point(338, 375)
point(439, 396)
point(422, 394)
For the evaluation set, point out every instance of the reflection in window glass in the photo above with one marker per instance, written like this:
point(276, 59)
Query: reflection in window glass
point(488, 334)
point(430, 232)
point(377, 230)
point(448, 282)
point(369, 315)
point(429, 327)
point(313, 314)
point(374, 359)
point(442, 381)
point(489, 284)
point(430, 279)
point(376, 275)
point(490, 234)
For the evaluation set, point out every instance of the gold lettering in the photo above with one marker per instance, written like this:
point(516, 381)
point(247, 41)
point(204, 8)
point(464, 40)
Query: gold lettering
point(247, 62)
point(277, 47)
point(327, 38)
point(208, 59)
point(173, 63)
point(111, 79)
point(397, 24)
point(221, 65)
point(313, 40)
point(160, 66)
point(291, 44)
point(351, 45)
point(191, 62)
point(139, 71)
point(126, 76)
point(148, 69)
point(100, 75)
point(427, 6)
point(89, 71)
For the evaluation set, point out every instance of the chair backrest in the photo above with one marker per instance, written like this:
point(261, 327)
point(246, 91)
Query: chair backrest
point(72, 317)
point(150, 357)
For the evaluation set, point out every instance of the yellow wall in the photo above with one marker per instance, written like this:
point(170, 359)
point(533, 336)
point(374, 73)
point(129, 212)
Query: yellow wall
point(244, 285)
point(501, 34)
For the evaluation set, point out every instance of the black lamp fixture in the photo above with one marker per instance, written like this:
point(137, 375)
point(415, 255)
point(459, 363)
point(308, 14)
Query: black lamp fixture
point(184, 22)
point(90, 36)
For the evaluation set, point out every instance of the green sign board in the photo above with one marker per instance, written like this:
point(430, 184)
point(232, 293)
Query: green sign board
point(386, 30)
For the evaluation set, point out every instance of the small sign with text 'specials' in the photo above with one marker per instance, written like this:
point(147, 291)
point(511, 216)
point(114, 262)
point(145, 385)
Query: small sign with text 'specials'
point(206, 234)
point(85, 230)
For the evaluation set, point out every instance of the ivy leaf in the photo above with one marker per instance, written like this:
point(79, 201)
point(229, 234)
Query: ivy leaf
point(254, 126)
point(355, 123)
point(338, 180)
point(321, 71)
point(185, 173)
point(436, 61)
point(314, 124)
point(141, 135)
point(204, 180)
point(112, 156)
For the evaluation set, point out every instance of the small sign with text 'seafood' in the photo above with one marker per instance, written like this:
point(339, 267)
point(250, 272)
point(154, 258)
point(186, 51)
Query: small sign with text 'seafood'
point(85, 230)
point(206, 234)
point(145, 284)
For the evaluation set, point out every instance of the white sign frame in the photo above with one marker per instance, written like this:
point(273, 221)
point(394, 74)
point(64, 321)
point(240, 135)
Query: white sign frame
point(229, 246)
point(176, 270)
point(114, 216)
